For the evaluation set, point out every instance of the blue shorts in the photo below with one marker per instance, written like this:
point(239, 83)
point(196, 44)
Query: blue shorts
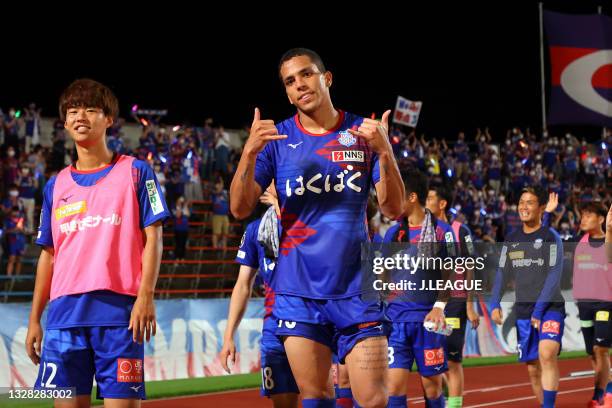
point(16, 249)
point(276, 374)
point(337, 323)
point(72, 357)
point(410, 341)
point(528, 338)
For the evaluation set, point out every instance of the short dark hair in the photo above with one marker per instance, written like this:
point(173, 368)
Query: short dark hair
point(444, 193)
point(84, 93)
point(296, 52)
point(537, 191)
point(416, 182)
point(596, 207)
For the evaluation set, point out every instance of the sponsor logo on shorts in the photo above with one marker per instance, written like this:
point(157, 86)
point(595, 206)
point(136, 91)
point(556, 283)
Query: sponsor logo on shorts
point(602, 316)
point(453, 322)
point(70, 209)
point(551, 326)
point(129, 370)
point(434, 357)
point(348, 156)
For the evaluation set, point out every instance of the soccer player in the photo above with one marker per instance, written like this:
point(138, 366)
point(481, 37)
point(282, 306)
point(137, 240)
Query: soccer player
point(101, 238)
point(323, 161)
point(461, 305)
point(277, 379)
point(409, 340)
point(591, 289)
point(533, 257)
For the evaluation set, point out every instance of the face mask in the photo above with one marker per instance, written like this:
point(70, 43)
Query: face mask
point(11, 153)
point(508, 142)
point(13, 193)
point(25, 172)
point(513, 208)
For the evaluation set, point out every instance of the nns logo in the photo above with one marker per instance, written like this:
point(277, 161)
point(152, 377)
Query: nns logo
point(348, 156)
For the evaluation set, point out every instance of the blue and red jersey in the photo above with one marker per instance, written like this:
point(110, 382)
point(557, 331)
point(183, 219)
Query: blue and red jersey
point(322, 182)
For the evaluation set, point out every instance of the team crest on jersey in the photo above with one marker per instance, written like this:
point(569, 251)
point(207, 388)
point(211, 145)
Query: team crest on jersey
point(346, 139)
point(538, 243)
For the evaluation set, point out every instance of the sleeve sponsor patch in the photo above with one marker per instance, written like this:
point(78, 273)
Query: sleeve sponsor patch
point(553, 255)
point(602, 316)
point(241, 254)
point(154, 198)
point(502, 256)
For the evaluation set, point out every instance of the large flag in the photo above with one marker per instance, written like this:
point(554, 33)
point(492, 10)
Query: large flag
point(581, 68)
point(407, 112)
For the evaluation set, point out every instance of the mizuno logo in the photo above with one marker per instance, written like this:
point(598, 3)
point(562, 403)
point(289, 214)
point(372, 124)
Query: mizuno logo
point(65, 199)
point(293, 146)
point(453, 353)
point(136, 388)
point(599, 340)
point(515, 245)
point(438, 368)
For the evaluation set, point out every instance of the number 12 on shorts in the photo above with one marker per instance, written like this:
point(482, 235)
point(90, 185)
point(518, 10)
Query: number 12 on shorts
point(52, 372)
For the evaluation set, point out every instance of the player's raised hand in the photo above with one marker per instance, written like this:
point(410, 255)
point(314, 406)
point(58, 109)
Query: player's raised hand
point(34, 341)
point(228, 354)
point(375, 133)
point(262, 132)
point(497, 315)
point(553, 202)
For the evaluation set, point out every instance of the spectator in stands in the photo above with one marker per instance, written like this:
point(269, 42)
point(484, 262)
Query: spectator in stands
point(10, 166)
point(11, 201)
point(220, 217)
point(27, 191)
point(181, 228)
point(15, 240)
point(222, 152)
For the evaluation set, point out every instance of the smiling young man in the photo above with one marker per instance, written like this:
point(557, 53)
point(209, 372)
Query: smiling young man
point(101, 235)
point(533, 257)
point(323, 161)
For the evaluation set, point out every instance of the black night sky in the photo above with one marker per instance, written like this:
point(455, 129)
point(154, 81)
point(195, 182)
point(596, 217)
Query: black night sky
point(472, 66)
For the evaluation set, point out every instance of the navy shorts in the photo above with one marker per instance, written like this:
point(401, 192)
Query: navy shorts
point(337, 323)
point(73, 357)
point(456, 317)
point(595, 322)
